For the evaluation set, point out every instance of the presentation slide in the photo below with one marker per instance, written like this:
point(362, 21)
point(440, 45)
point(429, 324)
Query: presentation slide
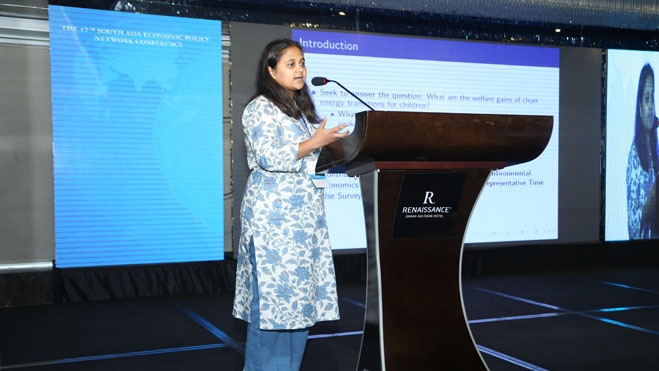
point(631, 145)
point(137, 138)
point(518, 203)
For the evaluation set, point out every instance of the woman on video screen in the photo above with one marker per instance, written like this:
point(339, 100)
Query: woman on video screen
point(642, 164)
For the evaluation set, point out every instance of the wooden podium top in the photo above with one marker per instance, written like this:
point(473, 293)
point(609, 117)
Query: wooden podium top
point(417, 139)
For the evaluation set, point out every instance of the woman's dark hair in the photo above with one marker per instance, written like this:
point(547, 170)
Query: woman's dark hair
point(301, 104)
point(645, 142)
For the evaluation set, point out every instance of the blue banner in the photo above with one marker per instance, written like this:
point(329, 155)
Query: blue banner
point(137, 138)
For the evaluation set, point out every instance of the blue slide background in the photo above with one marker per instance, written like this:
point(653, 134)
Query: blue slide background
point(137, 138)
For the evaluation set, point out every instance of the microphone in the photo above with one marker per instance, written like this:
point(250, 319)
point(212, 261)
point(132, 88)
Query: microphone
point(320, 81)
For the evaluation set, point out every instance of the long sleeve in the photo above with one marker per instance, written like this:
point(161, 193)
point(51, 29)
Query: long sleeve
point(271, 137)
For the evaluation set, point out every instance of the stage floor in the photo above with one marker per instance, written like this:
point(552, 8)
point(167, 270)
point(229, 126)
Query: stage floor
point(597, 319)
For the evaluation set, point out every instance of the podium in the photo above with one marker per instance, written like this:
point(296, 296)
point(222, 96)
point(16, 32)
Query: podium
point(420, 175)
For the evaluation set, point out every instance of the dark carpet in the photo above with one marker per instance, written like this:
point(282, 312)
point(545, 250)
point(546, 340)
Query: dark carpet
point(602, 319)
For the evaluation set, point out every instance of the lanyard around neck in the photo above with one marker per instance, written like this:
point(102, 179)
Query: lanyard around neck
point(306, 126)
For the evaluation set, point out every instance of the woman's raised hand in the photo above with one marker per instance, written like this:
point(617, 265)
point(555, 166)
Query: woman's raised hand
point(326, 136)
point(321, 138)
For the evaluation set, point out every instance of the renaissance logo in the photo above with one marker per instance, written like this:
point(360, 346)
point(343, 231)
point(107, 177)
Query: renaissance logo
point(427, 205)
point(426, 211)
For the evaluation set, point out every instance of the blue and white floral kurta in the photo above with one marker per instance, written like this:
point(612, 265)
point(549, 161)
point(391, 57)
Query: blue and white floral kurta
point(283, 212)
point(639, 183)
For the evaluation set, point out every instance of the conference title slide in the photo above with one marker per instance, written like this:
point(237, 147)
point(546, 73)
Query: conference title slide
point(137, 138)
point(392, 73)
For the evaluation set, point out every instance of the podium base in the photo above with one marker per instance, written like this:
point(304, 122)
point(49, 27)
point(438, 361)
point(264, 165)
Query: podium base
point(415, 317)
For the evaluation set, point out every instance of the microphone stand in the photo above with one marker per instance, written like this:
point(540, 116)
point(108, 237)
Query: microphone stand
point(356, 97)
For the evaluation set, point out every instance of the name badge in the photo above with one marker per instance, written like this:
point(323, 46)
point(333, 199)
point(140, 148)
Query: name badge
point(319, 179)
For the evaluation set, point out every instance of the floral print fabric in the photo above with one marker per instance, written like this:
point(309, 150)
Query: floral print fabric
point(639, 183)
point(283, 213)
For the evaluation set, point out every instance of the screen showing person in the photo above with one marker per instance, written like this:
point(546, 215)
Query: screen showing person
point(642, 165)
point(631, 145)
